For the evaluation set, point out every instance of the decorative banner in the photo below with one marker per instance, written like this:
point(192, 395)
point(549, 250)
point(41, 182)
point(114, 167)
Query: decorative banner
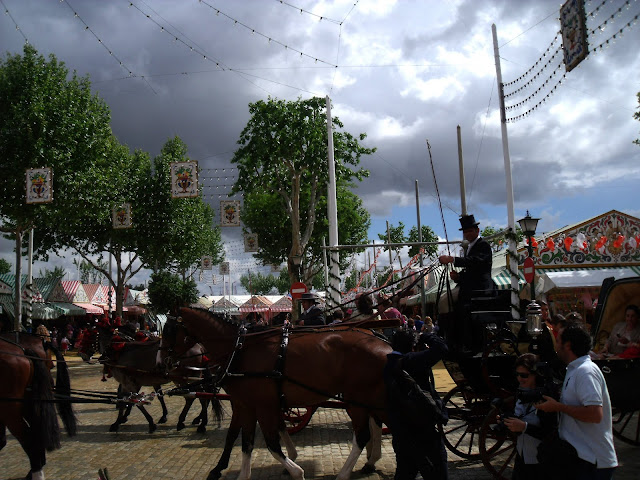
point(250, 242)
point(206, 263)
point(224, 268)
point(39, 185)
point(184, 179)
point(275, 268)
point(574, 33)
point(122, 216)
point(230, 213)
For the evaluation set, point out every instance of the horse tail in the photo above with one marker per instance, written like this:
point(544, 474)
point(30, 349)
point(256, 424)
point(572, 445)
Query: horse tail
point(63, 390)
point(40, 412)
point(216, 409)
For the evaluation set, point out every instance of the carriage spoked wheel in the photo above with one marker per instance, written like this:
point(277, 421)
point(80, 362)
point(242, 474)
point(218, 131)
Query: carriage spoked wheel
point(296, 418)
point(466, 413)
point(497, 447)
point(626, 426)
point(498, 359)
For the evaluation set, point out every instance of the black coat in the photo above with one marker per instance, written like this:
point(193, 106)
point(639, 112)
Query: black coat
point(313, 317)
point(477, 270)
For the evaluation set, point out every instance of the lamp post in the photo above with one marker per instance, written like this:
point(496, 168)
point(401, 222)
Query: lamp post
point(528, 226)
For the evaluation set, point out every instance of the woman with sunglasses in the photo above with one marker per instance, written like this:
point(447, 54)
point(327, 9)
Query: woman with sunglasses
point(532, 426)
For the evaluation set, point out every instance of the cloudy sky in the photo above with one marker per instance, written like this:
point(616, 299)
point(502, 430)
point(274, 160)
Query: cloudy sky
point(405, 72)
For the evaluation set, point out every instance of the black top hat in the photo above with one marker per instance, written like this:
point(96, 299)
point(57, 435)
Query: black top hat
point(312, 297)
point(468, 221)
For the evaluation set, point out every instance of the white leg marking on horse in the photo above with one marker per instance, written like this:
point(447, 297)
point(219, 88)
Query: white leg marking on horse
point(346, 470)
point(292, 453)
point(245, 470)
point(374, 447)
point(296, 472)
point(37, 475)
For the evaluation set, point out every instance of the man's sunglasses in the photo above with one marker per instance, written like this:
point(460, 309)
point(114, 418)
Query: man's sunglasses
point(522, 375)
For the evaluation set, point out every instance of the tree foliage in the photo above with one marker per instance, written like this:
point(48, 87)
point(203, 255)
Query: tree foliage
point(56, 274)
point(5, 267)
point(283, 174)
point(499, 242)
point(397, 235)
point(168, 292)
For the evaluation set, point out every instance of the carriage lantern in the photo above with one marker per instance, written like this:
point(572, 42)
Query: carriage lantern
point(534, 319)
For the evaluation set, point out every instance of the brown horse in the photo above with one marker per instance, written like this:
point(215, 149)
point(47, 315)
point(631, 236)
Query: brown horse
point(27, 395)
point(265, 374)
point(133, 365)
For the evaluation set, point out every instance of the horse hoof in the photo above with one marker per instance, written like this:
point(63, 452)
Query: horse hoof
point(152, 428)
point(163, 419)
point(368, 469)
point(195, 421)
point(180, 426)
point(114, 427)
point(202, 429)
point(214, 475)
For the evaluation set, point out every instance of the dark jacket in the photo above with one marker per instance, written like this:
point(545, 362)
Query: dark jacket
point(313, 317)
point(477, 270)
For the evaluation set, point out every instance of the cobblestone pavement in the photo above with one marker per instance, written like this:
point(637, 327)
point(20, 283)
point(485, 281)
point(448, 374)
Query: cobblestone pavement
point(133, 453)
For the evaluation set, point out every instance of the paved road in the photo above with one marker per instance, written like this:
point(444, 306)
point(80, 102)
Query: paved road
point(132, 453)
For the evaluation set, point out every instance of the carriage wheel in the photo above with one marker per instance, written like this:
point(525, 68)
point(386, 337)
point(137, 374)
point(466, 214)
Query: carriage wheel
point(466, 413)
point(497, 364)
point(497, 447)
point(626, 426)
point(296, 418)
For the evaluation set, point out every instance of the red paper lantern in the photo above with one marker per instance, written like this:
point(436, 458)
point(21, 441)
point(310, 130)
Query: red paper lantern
point(550, 244)
point(567, 243)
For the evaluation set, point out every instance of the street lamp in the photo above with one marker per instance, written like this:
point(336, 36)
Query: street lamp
point(296, 259)
point(528, 226)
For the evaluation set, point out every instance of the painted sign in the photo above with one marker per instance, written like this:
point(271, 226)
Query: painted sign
point(184, 179)
point(39, 185)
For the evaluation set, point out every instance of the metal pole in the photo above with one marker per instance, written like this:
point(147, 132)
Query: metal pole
point(511, 251)
point(423, 299)
point(324, 261)
point(332, 207)
point(30, 280)
point(533, 283)
point(389, 241)
point(463, 191)
point(17, 321)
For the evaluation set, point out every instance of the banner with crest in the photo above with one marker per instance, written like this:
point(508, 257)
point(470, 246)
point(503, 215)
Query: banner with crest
point(122, 216)
point(39, 185)
point(250, 242)
point(184, 179)
point(230, 213)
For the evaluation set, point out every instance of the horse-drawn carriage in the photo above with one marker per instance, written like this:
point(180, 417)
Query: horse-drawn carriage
point(486, 385)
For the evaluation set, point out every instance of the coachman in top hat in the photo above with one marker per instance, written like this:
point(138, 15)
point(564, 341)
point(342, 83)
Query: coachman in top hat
point(474, 280)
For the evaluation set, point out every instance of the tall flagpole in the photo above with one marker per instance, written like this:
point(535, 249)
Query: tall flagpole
point(511, 251)
point(332, 214)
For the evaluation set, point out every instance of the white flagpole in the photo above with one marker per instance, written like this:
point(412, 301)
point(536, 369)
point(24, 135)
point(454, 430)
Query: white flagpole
point(511, 251)
point(332, 214)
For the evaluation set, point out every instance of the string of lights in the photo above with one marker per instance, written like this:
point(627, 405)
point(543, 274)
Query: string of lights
point(537, 90)
point(176, 38)
point(6, 12)
point(537, 74)
point(611, 17)
point(532, 68)
point(268, 38)
point(88, 28)
point(302, 10)
point(537, 105)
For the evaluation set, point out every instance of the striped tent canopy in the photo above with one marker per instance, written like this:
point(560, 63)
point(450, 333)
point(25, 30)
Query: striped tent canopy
point(256, 303)
point(282, 305)
point(203, 302)
point(226, 304)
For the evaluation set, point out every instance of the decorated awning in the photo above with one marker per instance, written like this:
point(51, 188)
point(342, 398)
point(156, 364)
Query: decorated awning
point(135, 310)
point(282, 305)
point(90, 308)
point(588, 277)
point(256, 303)
point(40, 310)
point(225, 305)
point(68, 309)
point(203, 302)
point(502, 279)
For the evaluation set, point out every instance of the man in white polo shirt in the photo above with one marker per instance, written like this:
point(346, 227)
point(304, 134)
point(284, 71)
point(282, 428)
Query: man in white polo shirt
point(584, 407)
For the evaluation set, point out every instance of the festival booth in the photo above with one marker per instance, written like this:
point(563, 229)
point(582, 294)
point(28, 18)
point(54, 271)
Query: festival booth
point(229, 305)
point(203, 302)
point(257, 304)
point(283, 304)
point(577, 258)
point(40, 310)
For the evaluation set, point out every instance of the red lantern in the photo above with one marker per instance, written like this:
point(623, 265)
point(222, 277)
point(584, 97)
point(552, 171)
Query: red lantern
point(550, 244)
point(567, 243)
point(601, 242)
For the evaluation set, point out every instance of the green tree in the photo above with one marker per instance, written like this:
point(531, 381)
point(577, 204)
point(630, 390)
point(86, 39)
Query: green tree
point(5, 267)
point(282, 283)
point(182, 229)
point(428, 235)
point(283, 173)
point(56, 274)
point(498, 238)
point(395, 235)
point(47, 118)
point(168, 292)
point(257, 283)
point(88, 274)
